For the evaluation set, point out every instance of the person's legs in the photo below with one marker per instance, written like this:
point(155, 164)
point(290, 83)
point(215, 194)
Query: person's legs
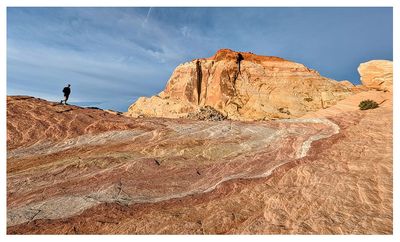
point(66, 99)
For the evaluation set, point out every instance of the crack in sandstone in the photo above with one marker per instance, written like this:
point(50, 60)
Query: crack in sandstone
point(199, 76)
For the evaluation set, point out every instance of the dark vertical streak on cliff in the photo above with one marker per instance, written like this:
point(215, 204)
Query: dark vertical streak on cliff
point(239, 58)
point(199, 77)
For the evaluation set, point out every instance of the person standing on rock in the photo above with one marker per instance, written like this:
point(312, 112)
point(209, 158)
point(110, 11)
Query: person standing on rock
point(239, 58)
point(66, 91)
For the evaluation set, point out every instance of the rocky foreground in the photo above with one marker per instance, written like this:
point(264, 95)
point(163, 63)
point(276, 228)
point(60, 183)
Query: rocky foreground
point(72, 170)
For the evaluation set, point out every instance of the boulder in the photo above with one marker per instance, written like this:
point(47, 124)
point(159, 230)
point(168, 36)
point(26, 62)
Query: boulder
point(377, 74)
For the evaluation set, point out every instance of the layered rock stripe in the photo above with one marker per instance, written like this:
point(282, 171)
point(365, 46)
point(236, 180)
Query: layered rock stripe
point(265, 87)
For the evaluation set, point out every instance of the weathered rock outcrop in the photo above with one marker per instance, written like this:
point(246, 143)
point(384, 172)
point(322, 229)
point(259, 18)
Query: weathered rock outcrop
point(242, 86)
point(347, 84)
point(377, 74)
point(34, 121)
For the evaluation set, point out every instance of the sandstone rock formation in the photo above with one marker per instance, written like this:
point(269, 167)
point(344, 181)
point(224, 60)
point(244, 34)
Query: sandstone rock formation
point(242, 86)
point(72, 170)
point(377, 74)
point(347, 84)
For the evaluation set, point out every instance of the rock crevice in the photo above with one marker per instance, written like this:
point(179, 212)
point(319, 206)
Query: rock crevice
point(199, 80)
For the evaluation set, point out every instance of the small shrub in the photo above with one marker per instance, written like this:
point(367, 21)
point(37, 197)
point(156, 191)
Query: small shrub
point(308, 99)
point(368, 104)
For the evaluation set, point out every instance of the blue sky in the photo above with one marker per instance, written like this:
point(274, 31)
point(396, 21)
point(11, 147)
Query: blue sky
point(112, 56)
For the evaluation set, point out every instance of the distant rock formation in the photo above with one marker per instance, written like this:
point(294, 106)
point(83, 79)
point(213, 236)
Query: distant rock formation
point(113, 112)
point(242, 86)
point(377, 74)
point(347, 84)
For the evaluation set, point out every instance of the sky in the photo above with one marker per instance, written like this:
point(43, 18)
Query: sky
point(112, 56)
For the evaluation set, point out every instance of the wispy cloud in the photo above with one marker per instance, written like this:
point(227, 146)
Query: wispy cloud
point(147, 17)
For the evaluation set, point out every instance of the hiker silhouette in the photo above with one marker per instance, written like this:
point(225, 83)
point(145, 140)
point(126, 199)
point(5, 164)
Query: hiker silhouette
point(239, 58)
point(66, 91)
